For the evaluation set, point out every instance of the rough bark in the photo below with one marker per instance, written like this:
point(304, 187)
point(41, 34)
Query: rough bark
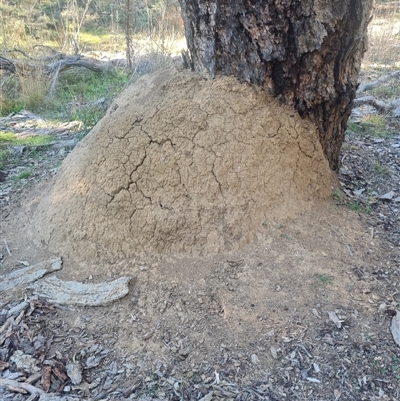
point(308, 52)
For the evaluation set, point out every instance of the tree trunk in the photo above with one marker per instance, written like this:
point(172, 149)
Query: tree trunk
point(308, 52)
point(128, 35)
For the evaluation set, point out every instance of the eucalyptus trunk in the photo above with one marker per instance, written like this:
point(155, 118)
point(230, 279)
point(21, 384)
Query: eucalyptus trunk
point(307, 52)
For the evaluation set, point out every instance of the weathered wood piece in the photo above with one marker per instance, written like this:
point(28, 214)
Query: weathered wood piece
point(20, 277)
point(50, 67)
point(380, 105)
point(307, 52)
point(75, 293)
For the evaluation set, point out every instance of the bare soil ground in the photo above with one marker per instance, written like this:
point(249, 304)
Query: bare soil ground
point(302, 312)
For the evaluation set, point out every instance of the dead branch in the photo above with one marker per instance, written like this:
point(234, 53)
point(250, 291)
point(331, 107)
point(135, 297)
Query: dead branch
point(78, 61)
point(50, 68)
point(20, 51)
point(380, 105)
point(6, 64)
point(374, 84)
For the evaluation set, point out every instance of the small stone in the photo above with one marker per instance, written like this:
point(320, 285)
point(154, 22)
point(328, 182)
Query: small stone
point(74, 372)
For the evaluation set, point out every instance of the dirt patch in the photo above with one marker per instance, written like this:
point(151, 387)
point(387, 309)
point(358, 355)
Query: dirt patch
point(182, 164)
point(248, 325)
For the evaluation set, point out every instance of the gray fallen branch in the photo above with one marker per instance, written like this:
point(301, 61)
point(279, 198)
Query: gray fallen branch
point(74, 293)
point(380, 105)
point(7, 248)
point(62, 64)
point(371, 85)
point(28, 274)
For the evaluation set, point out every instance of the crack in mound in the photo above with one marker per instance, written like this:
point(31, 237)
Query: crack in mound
point(182, 164)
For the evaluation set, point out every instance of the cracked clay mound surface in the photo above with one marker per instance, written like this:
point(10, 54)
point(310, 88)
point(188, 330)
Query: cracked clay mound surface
point(182, 164)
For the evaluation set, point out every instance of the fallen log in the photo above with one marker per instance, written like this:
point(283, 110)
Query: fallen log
point(371, 85)
point(15, 65)
point(392, 107)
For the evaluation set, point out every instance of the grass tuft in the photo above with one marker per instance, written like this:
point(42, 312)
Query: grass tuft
point(23, 175)
point(323, 278)
point(373, 125)
point(382, 169)
point(9, 138)
point(4, 156)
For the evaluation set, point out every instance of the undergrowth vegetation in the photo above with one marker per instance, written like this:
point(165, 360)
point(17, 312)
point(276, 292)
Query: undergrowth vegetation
point(94, 29)
point(370, 124)
point(74, 99)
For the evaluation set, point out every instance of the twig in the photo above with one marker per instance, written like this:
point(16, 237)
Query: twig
point(7, 248)
point(50, 48)
point(20, 51)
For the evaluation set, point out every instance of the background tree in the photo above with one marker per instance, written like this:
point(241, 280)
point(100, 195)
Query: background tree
point(128, 34)
point(307, 52)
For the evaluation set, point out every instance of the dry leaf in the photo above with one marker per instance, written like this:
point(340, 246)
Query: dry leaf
point(333, 317)
point(3, 365)
point(46, 378)
point(388, 196)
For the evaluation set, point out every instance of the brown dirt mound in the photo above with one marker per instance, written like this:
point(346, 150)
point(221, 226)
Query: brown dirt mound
point(182, 164)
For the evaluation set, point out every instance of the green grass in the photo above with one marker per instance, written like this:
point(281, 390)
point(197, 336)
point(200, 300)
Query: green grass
point(102, 41)
point(84, 86)
point(373, 125)
point(355, 206)
point(382, 169)
point(359, 207)
point(8, 106)
point(323, 278)
point(75, 88)
point(8, 138)
point(23, 175)
point(4, 156)
point(89, 117)
point(388, 91)
point(352, 205)
point(337, 195)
